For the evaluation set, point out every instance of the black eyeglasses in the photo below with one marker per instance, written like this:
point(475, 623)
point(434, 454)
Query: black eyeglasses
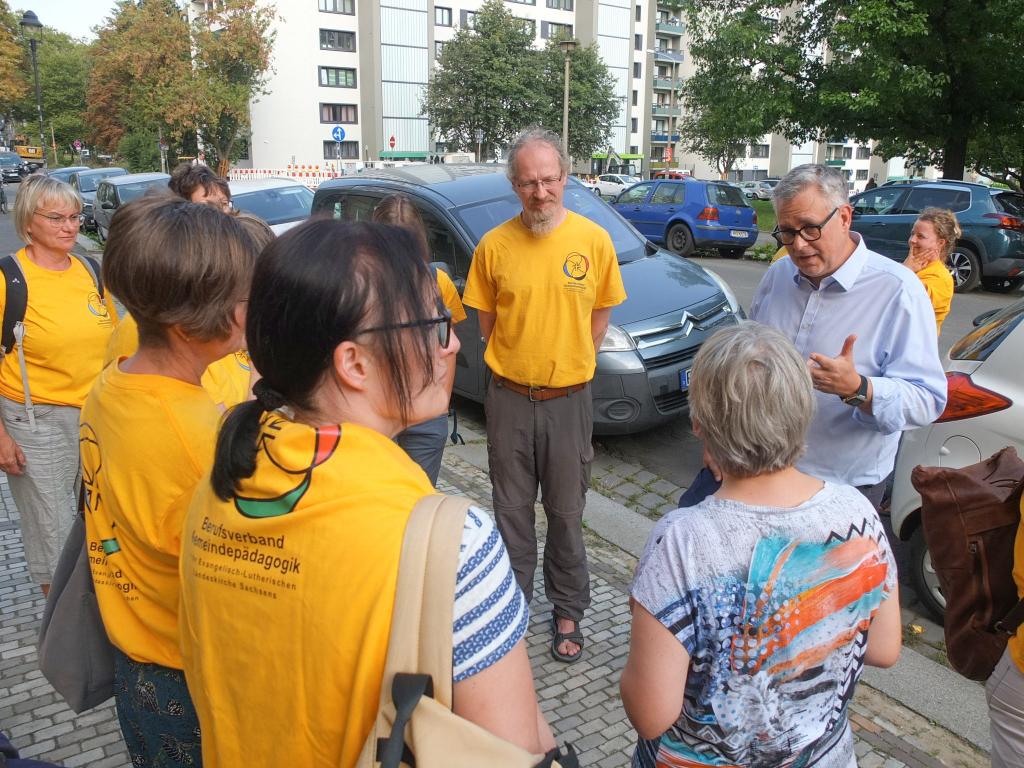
point(810, 233)
point(443, 325)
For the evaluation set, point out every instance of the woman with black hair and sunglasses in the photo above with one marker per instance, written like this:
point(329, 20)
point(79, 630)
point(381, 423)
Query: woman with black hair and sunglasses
point(290, 553)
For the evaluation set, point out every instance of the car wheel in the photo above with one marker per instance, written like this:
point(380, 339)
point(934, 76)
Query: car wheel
point(924, 577)
point(680, 240)
point(965, 268)
point(732, 253)
point(1002, 284)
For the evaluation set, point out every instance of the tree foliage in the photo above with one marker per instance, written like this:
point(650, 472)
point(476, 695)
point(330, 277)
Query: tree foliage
point(13, 69)
point(921, 76)
point(491, 78)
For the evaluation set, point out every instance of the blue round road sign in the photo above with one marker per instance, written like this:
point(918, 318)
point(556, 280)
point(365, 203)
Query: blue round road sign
point(338, 134)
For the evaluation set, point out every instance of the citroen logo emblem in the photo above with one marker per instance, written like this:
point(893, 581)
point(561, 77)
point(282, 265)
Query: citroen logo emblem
point(686, 323)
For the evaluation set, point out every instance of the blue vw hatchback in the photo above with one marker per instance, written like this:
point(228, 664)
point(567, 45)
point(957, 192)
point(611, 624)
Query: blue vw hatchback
point(686, 214)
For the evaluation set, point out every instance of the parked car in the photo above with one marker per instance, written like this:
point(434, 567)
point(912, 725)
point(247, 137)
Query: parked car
point(671, 173)
point(114, 192)
point(985, 412)
point(643, 366)
point(12, 167)
point(689, 213)
point(282, 203)
point(85, 184)
point(762, 190)
point(991, 250)
point(612, 184)
point(64, 174)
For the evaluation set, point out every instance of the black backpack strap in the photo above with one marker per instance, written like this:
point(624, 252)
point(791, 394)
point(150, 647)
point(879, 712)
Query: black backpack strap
point(93, 268)
point(16, 301)
point(1011, 621)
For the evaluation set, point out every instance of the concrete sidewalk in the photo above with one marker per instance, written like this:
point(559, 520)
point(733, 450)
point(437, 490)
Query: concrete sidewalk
point(581, 700)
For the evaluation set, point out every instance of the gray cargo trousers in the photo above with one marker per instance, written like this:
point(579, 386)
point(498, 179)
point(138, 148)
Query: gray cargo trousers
point(546, 445)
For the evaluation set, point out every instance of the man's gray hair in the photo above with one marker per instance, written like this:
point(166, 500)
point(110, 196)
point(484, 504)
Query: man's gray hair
point(828, 181)
point(752, 398)
point(529, 136)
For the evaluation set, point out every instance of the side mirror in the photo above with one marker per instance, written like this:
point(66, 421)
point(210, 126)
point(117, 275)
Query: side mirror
point(106, 205)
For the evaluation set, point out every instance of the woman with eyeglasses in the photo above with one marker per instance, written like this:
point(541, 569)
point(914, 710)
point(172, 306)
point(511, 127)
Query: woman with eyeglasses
point(290, 552)
point(53, 352)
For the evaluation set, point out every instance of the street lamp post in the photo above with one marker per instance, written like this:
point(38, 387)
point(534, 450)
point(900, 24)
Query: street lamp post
point(478, 134)
point(567, 46)
point(31, 22)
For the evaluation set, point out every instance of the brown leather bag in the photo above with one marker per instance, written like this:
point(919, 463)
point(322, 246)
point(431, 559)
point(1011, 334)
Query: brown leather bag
point(970, 518)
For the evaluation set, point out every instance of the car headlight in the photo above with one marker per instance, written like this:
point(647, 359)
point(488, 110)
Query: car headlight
point(734, 303)
point(616, 340)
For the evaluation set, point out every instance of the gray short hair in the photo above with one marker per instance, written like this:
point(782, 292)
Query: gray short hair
point(828, 181)
point(529, 136)
point(37, 192)
point(752, 398)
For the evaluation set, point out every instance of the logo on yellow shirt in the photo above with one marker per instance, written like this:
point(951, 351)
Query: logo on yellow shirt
point(98, 308)
point(325, 442)
point(242, 358)
point(576, 266)
point(92, 464)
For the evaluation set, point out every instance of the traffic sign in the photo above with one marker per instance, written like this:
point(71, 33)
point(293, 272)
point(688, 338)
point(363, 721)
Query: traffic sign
point(391, 142)
point(338, 134)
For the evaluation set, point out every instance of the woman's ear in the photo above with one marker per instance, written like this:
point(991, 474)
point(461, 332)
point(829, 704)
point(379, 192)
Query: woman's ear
point(695, 425)
point(352, 366)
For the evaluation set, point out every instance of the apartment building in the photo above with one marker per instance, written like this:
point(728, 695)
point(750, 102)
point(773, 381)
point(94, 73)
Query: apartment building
point(363, 65)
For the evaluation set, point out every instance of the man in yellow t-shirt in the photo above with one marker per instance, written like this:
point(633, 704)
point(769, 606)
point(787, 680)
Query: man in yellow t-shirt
point(544, 284)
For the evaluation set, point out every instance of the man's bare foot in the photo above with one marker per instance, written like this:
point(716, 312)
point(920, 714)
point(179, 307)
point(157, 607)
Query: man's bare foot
point(46, 589)
point(567, 645)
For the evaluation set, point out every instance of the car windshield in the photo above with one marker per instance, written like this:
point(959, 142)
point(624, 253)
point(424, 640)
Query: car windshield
point(983, 340)
point(721, 194)
point(10, 161)
point(138, 189)
point(90, 182)
point(481, 218)
point(277, 206)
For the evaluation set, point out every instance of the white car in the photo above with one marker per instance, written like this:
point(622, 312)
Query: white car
point(611, 184)
point(985, 413)
point(762, 190)
point(282, 203)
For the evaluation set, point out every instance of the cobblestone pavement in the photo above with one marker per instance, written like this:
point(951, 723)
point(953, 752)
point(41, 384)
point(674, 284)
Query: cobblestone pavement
point(580, 700)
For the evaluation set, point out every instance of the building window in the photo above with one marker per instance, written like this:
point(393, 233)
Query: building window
point(565, 5)
point(759, 150)
point(636, 70)
point(638, 42)
point(634, 150)
point(337, 77)
point(336, 40)
point(467, 19)
point(524, 2)
point(639, 12)
point(863, 153)
point(349, 150)
point(438, 48)
point(339, 113)
point(634, 125)
point(338, 6)
point(442, 16)
point(862, 175)
point(550, 29)
point(636, 97)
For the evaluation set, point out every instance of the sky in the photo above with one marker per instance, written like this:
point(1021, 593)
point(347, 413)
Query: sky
point(75, 17)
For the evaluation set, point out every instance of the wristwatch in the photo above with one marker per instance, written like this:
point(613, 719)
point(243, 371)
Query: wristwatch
point(860, 396)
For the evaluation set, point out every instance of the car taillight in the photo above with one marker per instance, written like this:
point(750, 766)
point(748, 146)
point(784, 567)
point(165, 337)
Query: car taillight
point(755, 218)
point(967, 399)
point(1006, 222)
point(708, 214)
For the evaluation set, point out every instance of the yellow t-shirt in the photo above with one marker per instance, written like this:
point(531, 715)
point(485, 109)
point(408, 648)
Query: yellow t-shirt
point(66, 331)
point(1016, 643)
point(783, 251)
point(938, 284)
point(145, 442)
point(226, 380)
point(450, 296)
point(287, 593)
point(543, 291)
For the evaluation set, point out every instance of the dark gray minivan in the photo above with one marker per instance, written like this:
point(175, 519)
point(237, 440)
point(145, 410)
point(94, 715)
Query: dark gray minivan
point(643, 366)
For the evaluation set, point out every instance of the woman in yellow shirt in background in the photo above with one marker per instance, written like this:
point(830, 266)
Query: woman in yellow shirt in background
point(424, 442)
point(147, 436)
point(931, 241)
point(66, 327)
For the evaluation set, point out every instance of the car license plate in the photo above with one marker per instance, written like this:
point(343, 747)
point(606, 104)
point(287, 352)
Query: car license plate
point(737, 233)
point(684, 379)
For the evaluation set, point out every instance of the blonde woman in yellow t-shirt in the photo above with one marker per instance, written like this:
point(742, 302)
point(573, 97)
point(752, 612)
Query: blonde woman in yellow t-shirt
point(147, 437)
point(423, 442)
point(290, 553)
point(931, 241)
point(66, 327)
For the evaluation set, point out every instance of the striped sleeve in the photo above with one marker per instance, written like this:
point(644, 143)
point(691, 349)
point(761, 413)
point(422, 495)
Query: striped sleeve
point(491, 615)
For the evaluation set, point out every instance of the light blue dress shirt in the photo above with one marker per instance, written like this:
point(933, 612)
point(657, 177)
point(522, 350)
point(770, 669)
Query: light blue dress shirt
point(886, 306)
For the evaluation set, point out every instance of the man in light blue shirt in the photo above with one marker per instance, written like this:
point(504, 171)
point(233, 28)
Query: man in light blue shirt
point(863, 322)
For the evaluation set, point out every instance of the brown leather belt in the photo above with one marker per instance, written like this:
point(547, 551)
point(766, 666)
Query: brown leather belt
point(538, 394)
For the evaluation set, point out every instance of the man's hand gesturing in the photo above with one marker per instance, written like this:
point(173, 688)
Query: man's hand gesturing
point(835, 375)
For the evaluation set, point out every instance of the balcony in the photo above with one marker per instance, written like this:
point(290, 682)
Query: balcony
point(667, 84)
point(669, 28)
point(664, 110)
point(663, 138)
point(668, 55)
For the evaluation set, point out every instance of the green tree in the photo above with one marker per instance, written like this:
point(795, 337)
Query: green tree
point(592, 101)
point(486, 79)
point(920, 76)
point(13, 67)
point(138, 151)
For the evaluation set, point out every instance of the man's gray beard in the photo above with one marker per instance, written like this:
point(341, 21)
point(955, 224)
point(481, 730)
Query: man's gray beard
point(541, 224)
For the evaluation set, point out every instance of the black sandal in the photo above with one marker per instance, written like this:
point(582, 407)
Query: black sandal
point(558, 637)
